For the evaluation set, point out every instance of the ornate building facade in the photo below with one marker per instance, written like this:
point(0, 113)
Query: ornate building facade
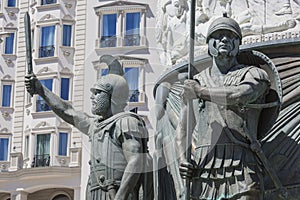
point(42, 157)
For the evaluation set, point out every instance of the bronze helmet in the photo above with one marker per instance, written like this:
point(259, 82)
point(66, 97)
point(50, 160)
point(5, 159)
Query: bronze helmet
point(224, 23)
point(113, 83)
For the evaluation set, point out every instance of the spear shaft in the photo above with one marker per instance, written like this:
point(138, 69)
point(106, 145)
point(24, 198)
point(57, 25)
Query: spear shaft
point(189, 103)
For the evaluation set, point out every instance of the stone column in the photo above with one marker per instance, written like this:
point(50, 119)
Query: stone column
point(77, 192)
point(142, 28)
point(120, 28)
point(20, 194)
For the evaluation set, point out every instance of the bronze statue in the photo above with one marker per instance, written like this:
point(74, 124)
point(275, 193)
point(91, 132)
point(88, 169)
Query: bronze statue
point(234, 106)
point(119, 154)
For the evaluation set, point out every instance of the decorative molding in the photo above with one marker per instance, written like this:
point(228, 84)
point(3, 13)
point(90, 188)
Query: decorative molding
point(66, 71)
point(48, 18)
point(120, 6)
point(68, 5)
point(68, 18)
point(7, 78)
point(4, 131)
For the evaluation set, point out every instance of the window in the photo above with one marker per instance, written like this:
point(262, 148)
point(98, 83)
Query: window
point(67, 35)
point(61, 197)
point(4, 149)
point(132, 77)
point(41, 105)
point(6, 95)
point(47, 41)
point(42, 153)
point(122, 24)
point(63, 144)
point(108, 38)
point(9, 44)
point(132, 34)
point(45, 2)
point(65, 88)
point(134, 73)
point(11, 3)
point(104, 71)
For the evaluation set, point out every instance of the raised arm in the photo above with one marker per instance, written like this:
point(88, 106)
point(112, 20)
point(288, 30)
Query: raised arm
point(61, 107)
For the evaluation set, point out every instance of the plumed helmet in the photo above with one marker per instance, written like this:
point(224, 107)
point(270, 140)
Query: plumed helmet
point(224, 23)
point(113, 83)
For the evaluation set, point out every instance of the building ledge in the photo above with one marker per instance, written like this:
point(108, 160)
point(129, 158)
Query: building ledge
point(45, 60)
point(12, 11)
point(43, 114)
point(121, 49)
point(37, 172)
point(48, 7)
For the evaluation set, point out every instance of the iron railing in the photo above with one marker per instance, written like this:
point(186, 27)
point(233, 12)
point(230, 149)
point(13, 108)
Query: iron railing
point(132, 40)
point(41, 105)
point(47, 51)
point(45, 2)
point(134, 95)
point(42, 160)
point(108, 41)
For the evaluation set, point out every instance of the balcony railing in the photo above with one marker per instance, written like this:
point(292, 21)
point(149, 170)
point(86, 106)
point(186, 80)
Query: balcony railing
point(47, 51)
point(108, 41)
point(134, 95)
point(132, 40)
point(41, 160)
point(45, 2)
point(41, 105)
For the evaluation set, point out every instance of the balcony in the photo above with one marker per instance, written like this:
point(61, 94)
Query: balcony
point(41, 160)
point(108, 41)
point(132, 40)
point(46, 51)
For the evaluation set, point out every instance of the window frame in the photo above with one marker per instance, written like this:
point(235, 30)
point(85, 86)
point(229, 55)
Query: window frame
point(125, 27)
point(72, 34)
point(68, 142)
point(11, 83)
point(41, 2)
point(40, 27)
point(14, 44)
point(6, 136)
point(129, 62)
point(34, 152)
point(36, 97)
point(69, 89)
point(16, 4)
point(121, 23)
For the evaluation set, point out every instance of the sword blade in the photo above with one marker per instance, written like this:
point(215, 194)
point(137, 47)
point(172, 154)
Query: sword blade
point(28, 43)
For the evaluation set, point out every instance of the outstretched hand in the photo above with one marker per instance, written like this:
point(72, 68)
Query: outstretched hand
point(32, 84)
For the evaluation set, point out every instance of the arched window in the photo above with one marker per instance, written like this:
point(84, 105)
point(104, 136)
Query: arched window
point(61, 197)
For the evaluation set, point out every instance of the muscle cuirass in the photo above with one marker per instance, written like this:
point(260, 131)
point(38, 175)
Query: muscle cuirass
point(107, 160)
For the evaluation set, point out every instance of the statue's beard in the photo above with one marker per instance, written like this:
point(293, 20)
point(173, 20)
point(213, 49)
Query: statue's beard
point(101, 106)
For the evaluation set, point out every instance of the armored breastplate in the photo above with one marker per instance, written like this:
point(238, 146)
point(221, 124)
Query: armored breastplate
point(107, 160)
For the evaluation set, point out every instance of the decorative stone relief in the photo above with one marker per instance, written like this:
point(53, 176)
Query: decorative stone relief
point(259, 21)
